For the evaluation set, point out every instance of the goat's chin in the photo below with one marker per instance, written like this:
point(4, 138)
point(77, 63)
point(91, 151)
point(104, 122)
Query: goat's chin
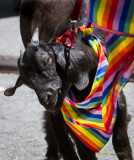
point(53, 107)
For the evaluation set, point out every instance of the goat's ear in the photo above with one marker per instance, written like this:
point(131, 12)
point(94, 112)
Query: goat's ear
point(79, 75)
point(59, 51)
point(79, 69)
point(11, 91)
point(82, 82)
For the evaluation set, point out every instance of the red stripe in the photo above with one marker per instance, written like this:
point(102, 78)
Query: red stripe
point(112, 14)
point(98, 108)
point(90, 126)
point(114, 68)
point(102, 58)
point(112, 31)
point(99, 89)
point(109, 118)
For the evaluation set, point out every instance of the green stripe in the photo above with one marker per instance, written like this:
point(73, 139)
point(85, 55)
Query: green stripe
point(91, 105)
point(105, 99)
point(115, 44)
point(84, 117)
point(129, 17)
point(94, 104)
point(95, 11)
point(67, 117)
point(99, 77)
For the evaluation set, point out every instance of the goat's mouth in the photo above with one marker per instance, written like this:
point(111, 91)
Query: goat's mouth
point(52, 103)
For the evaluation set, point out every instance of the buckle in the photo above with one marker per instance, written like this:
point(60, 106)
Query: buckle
point(73, 25)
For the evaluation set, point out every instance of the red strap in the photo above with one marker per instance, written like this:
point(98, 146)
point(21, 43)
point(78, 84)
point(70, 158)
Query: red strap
point(76, 11)
point(71, 33)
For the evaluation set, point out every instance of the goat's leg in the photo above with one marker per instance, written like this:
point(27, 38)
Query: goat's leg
point(52, 151)
point(83, 152)
point(120, 137)
point(60, 132)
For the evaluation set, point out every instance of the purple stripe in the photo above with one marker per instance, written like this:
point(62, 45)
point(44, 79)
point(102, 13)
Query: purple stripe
point(102, 64)
point(109, 36)
point(88, 10)
point(104, 134)
point(107, 83)
point(94, 111)
point(118, 15)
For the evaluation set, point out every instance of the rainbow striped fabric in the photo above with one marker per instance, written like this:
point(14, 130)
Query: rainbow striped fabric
point(116, 16)
point(93, 119)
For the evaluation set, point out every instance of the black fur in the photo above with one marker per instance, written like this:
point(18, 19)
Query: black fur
point(51, 70)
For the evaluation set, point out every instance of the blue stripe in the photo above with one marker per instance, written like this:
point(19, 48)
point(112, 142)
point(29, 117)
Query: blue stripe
point(70, 119)
point(110, 85)
point(124, 15)
point(92, 2)
point(101, 70)
point(88, 114)
point(105, 93)
point(70, 94)
point(112, 40)
point(96, 99)
point(125, 80)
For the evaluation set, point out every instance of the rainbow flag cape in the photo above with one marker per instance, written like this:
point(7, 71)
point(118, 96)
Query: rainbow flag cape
point(93, 119)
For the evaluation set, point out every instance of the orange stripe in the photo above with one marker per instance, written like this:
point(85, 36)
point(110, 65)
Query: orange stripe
point(63, 108)
point(109, 106)
point(122, 53)
point(106, 13)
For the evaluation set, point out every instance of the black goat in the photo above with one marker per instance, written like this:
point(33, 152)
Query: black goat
point(47, 68)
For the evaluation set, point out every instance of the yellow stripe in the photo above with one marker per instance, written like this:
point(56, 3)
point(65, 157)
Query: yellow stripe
point(95, 47)
point(131, 31)
point(70, 110)
point(113, 120)
point(119, 48)
point(88, 134)
point(97, 84)
point(118, 86)
point(108, 103)
point(101, 12)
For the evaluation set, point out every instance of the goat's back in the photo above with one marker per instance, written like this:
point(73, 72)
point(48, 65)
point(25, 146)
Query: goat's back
point(52, 17)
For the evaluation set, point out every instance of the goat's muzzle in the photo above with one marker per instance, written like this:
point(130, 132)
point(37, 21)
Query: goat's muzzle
point(50, 100)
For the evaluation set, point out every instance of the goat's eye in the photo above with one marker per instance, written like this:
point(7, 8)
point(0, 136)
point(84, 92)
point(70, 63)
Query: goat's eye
point(47, 61)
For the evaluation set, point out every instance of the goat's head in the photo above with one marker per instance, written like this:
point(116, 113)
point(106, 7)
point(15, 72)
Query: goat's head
point(50, 70)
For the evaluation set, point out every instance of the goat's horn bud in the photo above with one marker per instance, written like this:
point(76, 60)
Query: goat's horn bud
point(35, 36)
point(21, 53)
